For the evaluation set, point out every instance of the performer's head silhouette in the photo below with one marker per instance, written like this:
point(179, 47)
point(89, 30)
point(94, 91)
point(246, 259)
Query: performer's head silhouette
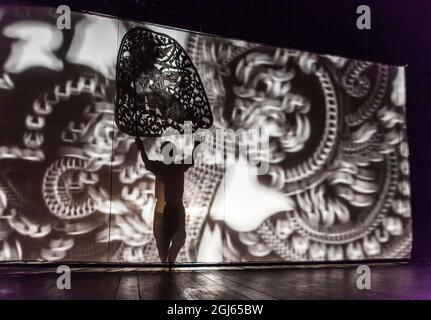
point(169, 151)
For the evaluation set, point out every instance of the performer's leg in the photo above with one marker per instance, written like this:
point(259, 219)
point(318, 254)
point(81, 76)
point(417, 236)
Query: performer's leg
point(179, 235)
point(177, 243)
point(161, 238)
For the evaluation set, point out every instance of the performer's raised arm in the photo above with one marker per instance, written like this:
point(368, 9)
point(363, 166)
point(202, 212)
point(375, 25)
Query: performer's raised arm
point(190, 161)
point(144, 155)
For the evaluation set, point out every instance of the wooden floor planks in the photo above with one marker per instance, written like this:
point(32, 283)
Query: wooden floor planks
point(394, 282)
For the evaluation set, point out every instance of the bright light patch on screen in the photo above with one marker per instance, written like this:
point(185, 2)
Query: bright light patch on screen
point(35, 45)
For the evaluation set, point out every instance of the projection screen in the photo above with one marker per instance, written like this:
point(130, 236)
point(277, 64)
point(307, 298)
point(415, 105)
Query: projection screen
point(73, 187)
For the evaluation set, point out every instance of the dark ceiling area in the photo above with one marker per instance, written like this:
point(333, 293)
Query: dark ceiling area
point(321, 26)
point(400, 34)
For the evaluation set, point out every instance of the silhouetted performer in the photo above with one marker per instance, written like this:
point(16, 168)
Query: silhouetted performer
point(169, 215)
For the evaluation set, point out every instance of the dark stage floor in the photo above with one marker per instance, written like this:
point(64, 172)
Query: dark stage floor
point(330, 282)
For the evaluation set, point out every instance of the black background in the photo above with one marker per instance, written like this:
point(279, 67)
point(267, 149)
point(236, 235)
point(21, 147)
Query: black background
point(400, 34)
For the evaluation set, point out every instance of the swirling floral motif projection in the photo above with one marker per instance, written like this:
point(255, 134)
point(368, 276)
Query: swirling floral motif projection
point(73, 188)
point(158, 87)
point(338, 150)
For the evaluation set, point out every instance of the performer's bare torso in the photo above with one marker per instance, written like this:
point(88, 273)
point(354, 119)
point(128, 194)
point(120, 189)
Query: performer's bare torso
point(169, 212)
point(169, 186)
